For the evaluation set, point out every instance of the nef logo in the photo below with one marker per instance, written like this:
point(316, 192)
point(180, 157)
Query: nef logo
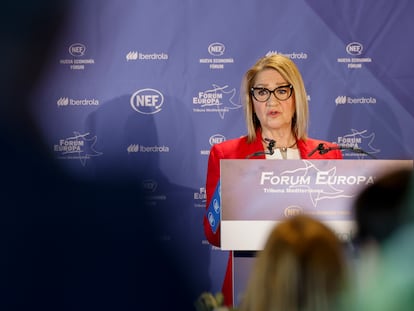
point(293, 210)
point(147, 101)
point(354, 48)
point(216, 139)
point(216, 49)
point(149, 185)
point(77, 49)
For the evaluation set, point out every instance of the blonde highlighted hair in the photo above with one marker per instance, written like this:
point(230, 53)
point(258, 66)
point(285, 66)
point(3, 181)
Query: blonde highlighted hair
point(301, 268)
point(289, 71)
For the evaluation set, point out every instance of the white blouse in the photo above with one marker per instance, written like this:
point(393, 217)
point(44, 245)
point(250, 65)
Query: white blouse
point(290, 154)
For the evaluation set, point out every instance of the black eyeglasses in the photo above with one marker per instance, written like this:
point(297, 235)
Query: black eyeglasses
point(262, 94)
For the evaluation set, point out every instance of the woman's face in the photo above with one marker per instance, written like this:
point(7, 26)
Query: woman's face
point(273, 114)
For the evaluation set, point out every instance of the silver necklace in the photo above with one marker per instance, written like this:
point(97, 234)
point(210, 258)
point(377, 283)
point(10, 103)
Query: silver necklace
point(271, 145)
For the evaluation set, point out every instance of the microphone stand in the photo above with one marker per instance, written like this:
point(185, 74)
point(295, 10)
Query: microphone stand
point(270, 147)
point(259, 153)
point(324, 150)
point(271, 144)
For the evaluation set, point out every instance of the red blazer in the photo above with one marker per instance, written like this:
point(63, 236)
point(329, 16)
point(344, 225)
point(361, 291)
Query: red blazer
point(239, 149)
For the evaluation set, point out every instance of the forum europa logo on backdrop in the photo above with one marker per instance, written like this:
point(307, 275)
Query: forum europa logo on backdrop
point(359, 139)
point(218, 99)
point(77, 147)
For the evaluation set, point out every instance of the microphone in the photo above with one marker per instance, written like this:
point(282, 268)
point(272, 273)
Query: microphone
point(353, 149)
point(322, 150)
point(271, 144)
point(269, 147)
point(319, 148)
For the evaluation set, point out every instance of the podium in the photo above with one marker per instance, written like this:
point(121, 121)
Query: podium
point(257, 194)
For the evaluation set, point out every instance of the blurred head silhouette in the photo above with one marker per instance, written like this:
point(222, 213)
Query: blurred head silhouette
point(380, 208)
point(66, 244)
point(301, 267)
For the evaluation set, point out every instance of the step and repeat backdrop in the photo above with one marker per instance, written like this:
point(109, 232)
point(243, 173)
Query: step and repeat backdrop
point(141, 89)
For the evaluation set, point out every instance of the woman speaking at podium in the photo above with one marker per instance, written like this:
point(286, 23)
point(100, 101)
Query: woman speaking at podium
point(277, 113)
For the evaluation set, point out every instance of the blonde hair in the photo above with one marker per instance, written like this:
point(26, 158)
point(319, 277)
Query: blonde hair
point(291, 74)
point(302, 267)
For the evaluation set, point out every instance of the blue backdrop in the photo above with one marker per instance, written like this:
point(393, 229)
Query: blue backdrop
point(143, 89)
